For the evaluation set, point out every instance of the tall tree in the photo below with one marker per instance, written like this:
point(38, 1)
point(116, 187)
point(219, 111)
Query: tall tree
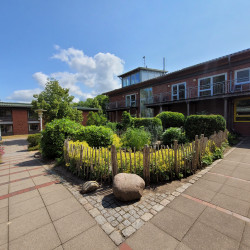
point(57, 101)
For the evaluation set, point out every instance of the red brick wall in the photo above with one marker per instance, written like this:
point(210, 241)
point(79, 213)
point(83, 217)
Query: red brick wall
point(20, 121)
point(85, 117)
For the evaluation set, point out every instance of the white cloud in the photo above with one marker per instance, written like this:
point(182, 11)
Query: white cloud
point(87, 76)
point(24, 95)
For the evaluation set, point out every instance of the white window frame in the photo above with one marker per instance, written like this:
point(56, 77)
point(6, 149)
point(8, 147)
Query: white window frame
point(177, 84)
point(235, 76)
point(211, 83)
point(130, 105)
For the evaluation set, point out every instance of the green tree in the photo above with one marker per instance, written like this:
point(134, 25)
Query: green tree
point(99, 102)
point(58, 103)
point(96, 119)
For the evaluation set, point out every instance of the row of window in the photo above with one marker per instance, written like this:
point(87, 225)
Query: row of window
point(8, 128)
point(130, 80)
point(6, 113)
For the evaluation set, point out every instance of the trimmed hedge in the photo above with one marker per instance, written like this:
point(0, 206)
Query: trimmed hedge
point(152, 125)
point(204, 124)
point(172, 134)
point(34, 140)
point(171, 119)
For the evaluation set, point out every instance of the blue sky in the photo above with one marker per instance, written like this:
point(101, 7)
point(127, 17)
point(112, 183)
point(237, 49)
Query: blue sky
point(86, 44)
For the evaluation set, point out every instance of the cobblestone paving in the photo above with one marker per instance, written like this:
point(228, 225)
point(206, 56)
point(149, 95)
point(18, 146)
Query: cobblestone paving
point(121, 219)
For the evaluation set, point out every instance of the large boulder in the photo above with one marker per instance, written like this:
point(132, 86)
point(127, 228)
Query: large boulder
point(128, 187)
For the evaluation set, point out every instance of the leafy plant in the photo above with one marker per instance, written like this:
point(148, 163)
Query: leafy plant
point(96, 119)
point(171, 119)
point(117, 141)
point(127, 120)
point(34, 141)
point(172, 134)
point(233, 139)
point(135, 138)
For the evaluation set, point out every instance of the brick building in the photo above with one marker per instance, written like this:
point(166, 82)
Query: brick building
point(219, 86)
point(19, 119)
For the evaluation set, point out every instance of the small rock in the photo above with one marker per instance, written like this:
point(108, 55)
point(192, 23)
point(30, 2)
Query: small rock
point(89, 186)
point(37, 155)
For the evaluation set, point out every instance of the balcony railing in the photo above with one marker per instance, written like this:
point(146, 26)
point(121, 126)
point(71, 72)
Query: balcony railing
point(6, 118)
point(210, 90)
point(122, 105)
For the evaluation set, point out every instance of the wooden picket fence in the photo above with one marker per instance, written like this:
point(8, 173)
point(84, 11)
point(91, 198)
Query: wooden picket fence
point(153, 164)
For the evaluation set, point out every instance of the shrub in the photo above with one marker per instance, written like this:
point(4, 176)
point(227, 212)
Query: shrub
point(233, 139)
point(127, 120)
point(117, 141)
point(34, 141)
point(98, 136)
point(172, 134)
point(171, 119)
point(152, 125)
point(204, 124)
point(112, 125)
point(54, 135)
point(96, 119)
point(135, 138)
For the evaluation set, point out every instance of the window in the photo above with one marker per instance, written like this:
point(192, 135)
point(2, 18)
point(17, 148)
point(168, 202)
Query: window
point(6, 128)
point(242, 76)
point(32, 115)
point(179, 91)
point(212, 85)
point(146, 96)
point(33, 127)
point(242, 110)
point(135, 78)
point(126, 81)
point(131, 101)
point(5, 113)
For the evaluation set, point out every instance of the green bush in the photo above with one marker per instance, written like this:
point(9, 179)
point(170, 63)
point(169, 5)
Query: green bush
point(135, 138)
point(112, 125)
point(96, 119)
point(152, 125)
point(54, 135)
point(34, 140)
point(172, 134)
point(97, 136)
point(204, 124)
point(233, 139)
point(127, 120)
point(171, 119)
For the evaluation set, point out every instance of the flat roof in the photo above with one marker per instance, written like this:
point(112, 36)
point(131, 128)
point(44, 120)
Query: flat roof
point(86, 108)
point(141, 68)
point(15, 105)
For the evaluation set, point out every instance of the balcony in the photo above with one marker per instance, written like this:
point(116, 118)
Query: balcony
point(219, 90)
point(122, 105)
point(4, 119)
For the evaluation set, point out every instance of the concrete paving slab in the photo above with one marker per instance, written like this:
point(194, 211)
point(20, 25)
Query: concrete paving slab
point(93, 238)
point(73, 224)
point(232, 204)
point(4, 214)
point(43, 238)
point(172, 222)
point(215, 178)
point(200, 193)
point(4, 190)
point(235, 193)
point(24, 207)
point(238, 184)
point(204, 237)
point(151, 237)
point(246, 235)
point(223, 171)
point(62, 208)
point(4, 203)
point(4, 247)
point(51, 188)
point(224, 223)
point(41, 179)
point(210, 185)
point(242, 173)
point(3, 233)
point(23, 197)
point(187, 206)
point(27, 223)
point(21, 186)
point(55, 196)
point(19, 176)
point(182, 246)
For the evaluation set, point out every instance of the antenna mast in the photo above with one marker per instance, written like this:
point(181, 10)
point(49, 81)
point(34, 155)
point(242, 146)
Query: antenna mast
point(144, 59)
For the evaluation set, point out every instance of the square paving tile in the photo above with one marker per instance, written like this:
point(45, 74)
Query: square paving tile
point(201, 236)
point(19, 176)
point(51, 188)
point(24, 207)
point(3, 203)
point(4, 190)
point(93, 238)
point(246, 235)
point(210, 185)
point(151, 237)
point(3, 233)
point(238, 184)
point(3, 214)
point(220, 170)
point(42, 179)
point(28, 222)
point(73, 224)
point(187, 206)
point(242, 173)
point(224, 223)
point(232, 204)
point(200, 193)
point(43, 238)
point(214, 178)
point(62, 208)
point(172, 222)
point(23, 197)
point(21, 186)
point(55, 196)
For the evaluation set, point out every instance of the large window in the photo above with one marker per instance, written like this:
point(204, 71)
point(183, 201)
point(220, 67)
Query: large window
point(132, 79)
point(135, 78)
point(5, 113)
point(179, 91)
point(242, 110)
point(242, 76)
point(131, 100)
point(6, 128)
point(33, 127)
point(146, 96)
point(213, 85)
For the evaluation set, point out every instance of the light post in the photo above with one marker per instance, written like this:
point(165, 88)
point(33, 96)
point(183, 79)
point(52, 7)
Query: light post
point(40, 115)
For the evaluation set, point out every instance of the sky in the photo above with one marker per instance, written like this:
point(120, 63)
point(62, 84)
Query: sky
point(87, 44)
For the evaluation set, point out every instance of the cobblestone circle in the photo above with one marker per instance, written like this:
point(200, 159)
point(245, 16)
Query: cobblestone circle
point(121, 219)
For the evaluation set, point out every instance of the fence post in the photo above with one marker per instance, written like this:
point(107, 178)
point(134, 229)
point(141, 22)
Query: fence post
point(114, 161)
point(146, 165)
point(196, 148)
point(176, 167)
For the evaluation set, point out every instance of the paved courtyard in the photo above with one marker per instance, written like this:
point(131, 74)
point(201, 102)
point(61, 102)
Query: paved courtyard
point(41, 211)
